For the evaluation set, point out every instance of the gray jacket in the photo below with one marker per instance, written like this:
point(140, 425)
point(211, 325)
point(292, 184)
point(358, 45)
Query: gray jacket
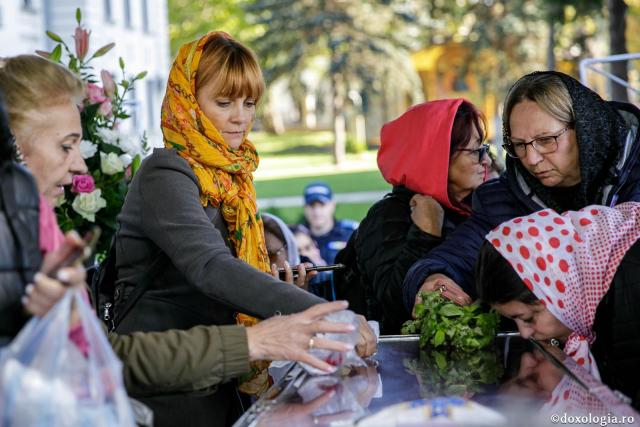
point(200, 281)
point(20, 256)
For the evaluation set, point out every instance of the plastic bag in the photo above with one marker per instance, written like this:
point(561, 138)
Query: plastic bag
point(45, 380)
point(337, 358)
point(278, 368)
point(353, 393)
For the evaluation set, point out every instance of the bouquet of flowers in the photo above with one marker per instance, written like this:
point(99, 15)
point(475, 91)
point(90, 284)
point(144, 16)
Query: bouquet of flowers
point(111, 156)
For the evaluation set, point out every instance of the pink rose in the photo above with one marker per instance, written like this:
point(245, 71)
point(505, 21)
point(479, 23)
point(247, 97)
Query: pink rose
point(105, 108)
point(95, 94)
point(82, 184)
point(107, 83)
point(82, 42)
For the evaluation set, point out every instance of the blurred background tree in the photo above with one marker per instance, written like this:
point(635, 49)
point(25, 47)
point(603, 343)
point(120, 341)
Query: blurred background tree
point(364, 48)
point(190, 19)
point(358, 64)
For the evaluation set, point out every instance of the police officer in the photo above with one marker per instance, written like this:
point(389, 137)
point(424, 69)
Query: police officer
point(330, 234)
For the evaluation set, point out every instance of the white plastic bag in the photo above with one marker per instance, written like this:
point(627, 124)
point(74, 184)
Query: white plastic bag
point(337, 358)
point(45, 380)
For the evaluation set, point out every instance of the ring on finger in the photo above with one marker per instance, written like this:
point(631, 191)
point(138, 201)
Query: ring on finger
point(312, 343)
point(440, 287)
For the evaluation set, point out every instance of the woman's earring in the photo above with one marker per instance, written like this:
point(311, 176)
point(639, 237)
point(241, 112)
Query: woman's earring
point(18, 153)
point(554, 342)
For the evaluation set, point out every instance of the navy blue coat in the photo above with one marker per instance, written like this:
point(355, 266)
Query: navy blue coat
point(510, 196)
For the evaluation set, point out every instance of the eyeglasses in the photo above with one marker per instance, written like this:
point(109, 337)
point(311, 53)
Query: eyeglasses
point(482, 151)
point(543, 145)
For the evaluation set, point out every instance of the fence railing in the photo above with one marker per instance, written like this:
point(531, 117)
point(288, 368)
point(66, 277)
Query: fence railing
point(589, 64)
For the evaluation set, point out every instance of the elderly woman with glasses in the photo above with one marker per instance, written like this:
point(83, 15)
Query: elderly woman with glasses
point(434, 157)
point(567, 148)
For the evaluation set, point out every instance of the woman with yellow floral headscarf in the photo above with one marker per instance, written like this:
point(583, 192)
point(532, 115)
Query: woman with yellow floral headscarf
point(190, 235)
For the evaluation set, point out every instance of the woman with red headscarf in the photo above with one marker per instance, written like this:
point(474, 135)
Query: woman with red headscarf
point(573, 280)
point(434, 157)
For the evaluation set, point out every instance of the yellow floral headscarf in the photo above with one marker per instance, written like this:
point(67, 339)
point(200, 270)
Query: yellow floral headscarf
point(225, 175)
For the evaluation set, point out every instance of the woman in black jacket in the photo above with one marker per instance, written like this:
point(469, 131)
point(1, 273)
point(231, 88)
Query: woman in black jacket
point(434, 157)
point(574, 280)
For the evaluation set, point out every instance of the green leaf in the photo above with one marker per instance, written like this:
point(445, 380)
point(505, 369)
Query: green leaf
point(141, 75)
point(135, 165)
point(124, 84)
point(56, 53)
point(451, 310)
point(420, 311)
point(121, 62)
point(109, 148)
point(103, 50)
point(73, 64)
point(53, 36)
point(441, 360)
point(438, 339)
point(410, 327)
point(78, 16)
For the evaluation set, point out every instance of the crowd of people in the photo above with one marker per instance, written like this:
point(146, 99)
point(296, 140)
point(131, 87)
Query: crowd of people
point(200, 302)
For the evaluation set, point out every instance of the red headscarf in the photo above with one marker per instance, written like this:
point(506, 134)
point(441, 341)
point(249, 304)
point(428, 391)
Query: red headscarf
point(414, 149)
point(568, 261)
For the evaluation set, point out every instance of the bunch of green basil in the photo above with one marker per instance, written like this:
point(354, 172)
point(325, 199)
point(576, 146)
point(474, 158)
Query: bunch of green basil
point(442, 323)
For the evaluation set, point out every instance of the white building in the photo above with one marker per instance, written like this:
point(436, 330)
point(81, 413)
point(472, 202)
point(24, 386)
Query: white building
point(139, 28)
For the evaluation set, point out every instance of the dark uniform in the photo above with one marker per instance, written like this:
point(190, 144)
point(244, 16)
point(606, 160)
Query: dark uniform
point(336, 239)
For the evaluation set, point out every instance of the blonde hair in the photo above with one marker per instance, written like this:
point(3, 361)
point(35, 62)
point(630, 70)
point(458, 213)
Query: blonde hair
point(231, 67)
point(30, 82)
point(545, 89)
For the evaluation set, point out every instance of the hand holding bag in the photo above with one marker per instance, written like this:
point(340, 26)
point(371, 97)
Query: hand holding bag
point(48, 380)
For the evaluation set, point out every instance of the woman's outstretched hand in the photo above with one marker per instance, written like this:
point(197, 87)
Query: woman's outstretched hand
point(289, 337)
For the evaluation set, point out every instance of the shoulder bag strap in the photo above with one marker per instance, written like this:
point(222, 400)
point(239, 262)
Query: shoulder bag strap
point(139, 289)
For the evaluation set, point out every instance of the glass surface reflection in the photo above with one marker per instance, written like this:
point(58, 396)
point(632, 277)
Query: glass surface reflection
point(516, 383)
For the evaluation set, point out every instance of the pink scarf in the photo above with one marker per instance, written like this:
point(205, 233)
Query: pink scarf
point(51, 238)
point(568, 397)
point(568, 261)
point(50, 235)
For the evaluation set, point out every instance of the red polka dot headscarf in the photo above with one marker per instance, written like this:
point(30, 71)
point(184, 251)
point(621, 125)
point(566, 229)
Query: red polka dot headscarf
point(568, 261)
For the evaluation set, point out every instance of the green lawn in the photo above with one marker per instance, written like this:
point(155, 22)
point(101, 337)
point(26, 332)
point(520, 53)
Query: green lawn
point(293, 142)
point(294, 215)
point(340, 183)
point(290, 161)
point(304, 153)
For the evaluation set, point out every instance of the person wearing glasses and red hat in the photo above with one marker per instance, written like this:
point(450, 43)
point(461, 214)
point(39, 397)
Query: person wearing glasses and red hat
point(567, 148)
point(435, 157)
